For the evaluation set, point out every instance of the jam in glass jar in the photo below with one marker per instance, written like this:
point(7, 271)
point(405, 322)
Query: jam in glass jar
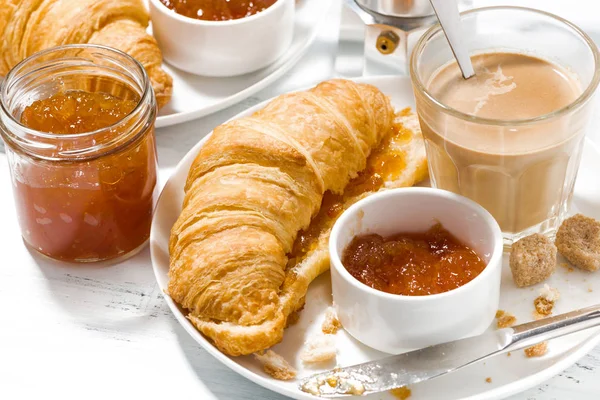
point(78, 124)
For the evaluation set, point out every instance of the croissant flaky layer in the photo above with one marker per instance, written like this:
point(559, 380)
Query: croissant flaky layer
point(28, 26)
point(254, 185)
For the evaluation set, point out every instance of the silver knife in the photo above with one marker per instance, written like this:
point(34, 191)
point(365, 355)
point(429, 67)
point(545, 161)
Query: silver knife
point(431, 362)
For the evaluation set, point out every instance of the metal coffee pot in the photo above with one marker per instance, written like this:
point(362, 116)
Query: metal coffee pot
point(392, 29)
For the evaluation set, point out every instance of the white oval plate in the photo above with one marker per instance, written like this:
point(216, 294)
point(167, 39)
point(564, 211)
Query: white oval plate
point(509, 374)
point(197, 96)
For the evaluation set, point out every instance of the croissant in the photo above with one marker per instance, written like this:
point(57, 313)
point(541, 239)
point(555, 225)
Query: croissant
point(253, 186)
point(28, 26)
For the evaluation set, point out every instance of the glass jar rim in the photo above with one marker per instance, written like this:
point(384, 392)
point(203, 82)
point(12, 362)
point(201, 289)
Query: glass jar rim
point(145, 87)
point(583, 97)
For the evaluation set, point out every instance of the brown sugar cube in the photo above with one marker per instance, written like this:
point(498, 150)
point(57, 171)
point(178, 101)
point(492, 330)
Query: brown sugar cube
point(532, 260)
point(578, 239)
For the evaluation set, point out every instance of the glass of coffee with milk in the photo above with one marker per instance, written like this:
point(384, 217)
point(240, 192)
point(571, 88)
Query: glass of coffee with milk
point(511, 136)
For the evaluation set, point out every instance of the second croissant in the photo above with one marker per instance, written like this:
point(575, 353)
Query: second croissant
point(28, 26)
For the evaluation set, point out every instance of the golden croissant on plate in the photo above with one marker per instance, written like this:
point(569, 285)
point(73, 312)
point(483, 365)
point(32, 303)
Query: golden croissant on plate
point(255, 184)
point(28, 26)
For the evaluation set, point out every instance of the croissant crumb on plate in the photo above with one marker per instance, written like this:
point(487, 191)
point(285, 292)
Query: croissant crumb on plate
point(331, 324)
point(504, 319)
point(29, 26)
point(255, 184)
point(318, 349)
point(537, 350)
point(275, 365)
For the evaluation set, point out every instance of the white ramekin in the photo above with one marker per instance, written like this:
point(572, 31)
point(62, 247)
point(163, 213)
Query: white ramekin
point(223, 48)
point(394, 323)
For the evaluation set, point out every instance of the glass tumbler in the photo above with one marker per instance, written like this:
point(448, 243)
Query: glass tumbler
point(522, 171)
point(81, 197)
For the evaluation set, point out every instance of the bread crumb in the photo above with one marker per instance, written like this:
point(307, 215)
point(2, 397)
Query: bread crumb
point(549, 293)
point(319, 348)
point(532, 260)
point(275, 365)
point(331, 324)
point(401, 393)
point(488, 379)
point(506, 321)
point(578, 240)
point(543, 306)
point(544, 303)
point(590, 290)
point(537, 316)
point(508, 354)
point(537, 350)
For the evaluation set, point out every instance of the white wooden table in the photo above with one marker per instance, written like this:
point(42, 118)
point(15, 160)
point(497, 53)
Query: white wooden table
point(88, 332)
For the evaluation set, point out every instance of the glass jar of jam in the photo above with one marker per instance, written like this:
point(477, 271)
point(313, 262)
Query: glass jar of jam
point(78, 124)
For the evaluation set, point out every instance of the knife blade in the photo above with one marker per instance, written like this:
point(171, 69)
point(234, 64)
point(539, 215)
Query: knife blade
point(434, 361)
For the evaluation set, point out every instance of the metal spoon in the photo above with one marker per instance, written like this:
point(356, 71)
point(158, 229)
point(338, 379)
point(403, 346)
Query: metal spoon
point(447, 13)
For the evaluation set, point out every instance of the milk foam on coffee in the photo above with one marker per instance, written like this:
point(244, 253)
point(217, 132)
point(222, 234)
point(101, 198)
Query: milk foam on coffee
point(522, 174)
point(506, 86)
